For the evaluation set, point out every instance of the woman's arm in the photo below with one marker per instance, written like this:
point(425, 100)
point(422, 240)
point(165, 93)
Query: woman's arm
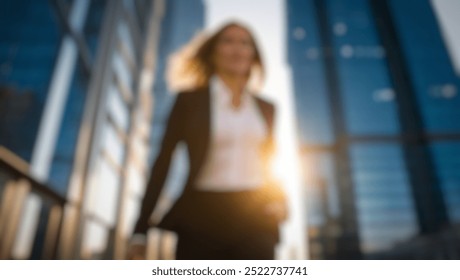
point(172, 135)
point(278, 205)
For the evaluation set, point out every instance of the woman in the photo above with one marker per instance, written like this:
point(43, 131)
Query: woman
point(230, 207)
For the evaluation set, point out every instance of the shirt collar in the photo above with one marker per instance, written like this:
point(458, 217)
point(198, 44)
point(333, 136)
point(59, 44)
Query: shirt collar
point(223, 93)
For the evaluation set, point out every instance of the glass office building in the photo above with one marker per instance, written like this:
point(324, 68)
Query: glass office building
point(377, 104)
point(76, 109)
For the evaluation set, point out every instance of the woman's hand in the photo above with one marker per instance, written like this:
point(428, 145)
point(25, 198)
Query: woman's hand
point(137, 248)
point(136, 252)
point(277, 209)
point(276, 205)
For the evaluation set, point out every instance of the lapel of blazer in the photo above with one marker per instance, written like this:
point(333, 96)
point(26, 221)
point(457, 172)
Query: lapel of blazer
point(267, 114)
point(198, 132)
point(200, 128)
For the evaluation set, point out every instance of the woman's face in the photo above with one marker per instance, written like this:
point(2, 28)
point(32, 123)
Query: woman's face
point(234, 52)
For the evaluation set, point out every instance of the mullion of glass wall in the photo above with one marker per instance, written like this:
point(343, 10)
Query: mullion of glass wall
point(127, 200)
point(348, 241)
point(430, 205)
point(114, 146)
point(98, 178)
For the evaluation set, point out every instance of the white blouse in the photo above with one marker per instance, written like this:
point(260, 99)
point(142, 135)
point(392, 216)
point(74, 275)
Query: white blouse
point(234, 161)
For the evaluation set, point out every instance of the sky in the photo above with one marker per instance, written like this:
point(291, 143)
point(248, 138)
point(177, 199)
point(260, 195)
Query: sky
point(266, 18)
point(447, 12)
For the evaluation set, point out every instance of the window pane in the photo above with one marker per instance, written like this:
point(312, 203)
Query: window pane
point(447, 159)
point(104, 192)
point(385, 205)
point(113, 145)
point(122, 70)
point(136, 181)
point(64, 155)
point(434, 80)
point(131, 213)
point(118, 109)
point(28, 50)
point(94, 240)
point(93, 25)
point(367, 93)
point(321, 188)
point(125, 39)
point(309, 83)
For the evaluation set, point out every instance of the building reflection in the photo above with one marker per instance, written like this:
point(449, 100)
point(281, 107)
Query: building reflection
point(376, 98)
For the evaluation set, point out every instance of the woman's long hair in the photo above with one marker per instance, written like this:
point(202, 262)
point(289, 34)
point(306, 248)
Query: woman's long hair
point(192, 66)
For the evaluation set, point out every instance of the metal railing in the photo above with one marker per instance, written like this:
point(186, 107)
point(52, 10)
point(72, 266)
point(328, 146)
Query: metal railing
point(16, 187)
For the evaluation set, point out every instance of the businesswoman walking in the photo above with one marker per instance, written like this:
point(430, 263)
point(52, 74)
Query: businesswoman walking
point(231, 206)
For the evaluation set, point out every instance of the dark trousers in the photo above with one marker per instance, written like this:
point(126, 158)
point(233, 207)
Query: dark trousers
point(250, 247)
point(224, 225)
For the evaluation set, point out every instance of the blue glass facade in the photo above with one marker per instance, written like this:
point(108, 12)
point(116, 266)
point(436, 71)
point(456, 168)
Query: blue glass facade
point(385, 208)
point(28, 50)
point(431, 72)
point(376, 92)
point(304, 54)
point(92, 27)
point(67, 140)
point(64, 154)
point(446, 155)
point(69, 80)
point(363, 76)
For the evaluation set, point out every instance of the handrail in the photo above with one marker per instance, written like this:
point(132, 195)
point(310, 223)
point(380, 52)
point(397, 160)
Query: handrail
point(19, 184)
point(19, 168)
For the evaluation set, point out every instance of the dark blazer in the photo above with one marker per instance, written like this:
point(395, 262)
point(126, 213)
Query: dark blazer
point(189, 121)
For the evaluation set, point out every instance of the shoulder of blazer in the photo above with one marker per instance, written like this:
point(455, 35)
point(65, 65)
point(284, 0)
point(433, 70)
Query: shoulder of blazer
point(267, 103)
point(191, 95)
point(200, 94)
point(268, 108)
